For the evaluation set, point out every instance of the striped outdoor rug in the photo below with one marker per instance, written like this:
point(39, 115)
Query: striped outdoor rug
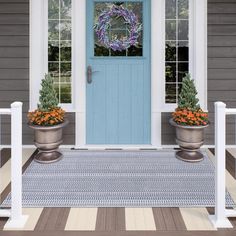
point(119, 179)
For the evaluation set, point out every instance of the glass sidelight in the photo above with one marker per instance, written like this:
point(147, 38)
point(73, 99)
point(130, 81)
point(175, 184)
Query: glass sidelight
point(177, 46)
point(59, 47)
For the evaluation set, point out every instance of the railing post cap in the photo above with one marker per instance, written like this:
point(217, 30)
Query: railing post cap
point(16, 104)
point(220, 104)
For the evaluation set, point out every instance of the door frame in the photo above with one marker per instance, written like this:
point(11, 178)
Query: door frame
point(157, 72)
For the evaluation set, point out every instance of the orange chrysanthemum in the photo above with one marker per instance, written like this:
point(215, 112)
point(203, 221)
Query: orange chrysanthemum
point(46, 118)
point(189, 117)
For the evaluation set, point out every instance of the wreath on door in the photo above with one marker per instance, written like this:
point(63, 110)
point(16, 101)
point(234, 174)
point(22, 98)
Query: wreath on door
point(115, 43)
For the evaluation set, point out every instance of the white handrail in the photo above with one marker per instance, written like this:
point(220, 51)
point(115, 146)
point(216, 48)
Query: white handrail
point(17, 220)
point(230, 111)
point(220, 219)
point(5, 111)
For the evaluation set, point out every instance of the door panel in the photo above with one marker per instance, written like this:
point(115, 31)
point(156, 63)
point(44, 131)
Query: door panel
point(119, 97)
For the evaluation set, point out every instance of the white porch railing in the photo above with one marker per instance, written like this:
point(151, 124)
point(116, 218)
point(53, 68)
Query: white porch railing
point(220, 219)
point(17, 220)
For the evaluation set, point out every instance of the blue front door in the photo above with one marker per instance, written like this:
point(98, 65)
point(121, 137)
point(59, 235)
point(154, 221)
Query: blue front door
point(118, 92)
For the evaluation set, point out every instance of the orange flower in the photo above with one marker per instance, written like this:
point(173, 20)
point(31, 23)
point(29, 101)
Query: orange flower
point(49, 118)
point(189, 117)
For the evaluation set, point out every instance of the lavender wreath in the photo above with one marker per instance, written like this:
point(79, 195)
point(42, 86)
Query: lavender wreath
point(104, 22)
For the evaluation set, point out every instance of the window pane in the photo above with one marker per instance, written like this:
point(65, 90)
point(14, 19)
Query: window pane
point(177, 46)
point(183, 30)
point(117, 23)
point(135, 51)
point(170, 51)
point(183, 9)
point(182, 71)
point(100, 51)
point(57, 88)
point(53, 51)
point(179, 88)
point(59, 47)
point(53, 70)
point(171, 93)
point(170, 9)
point(117, 53)
point(66, 69)
point(118, 29)
point(65, 30)
point(170, 72)
point(183, 51)
point(118, 34)
point(65, 93)
point(53, 29)
point(170, 30)
point(53, 9)
point(65, 51)
point(65, 9)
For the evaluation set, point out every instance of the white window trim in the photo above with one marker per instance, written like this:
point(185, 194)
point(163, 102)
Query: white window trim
point(39, 52)
point(37, 66)
point(197, 53)
point(200, 50)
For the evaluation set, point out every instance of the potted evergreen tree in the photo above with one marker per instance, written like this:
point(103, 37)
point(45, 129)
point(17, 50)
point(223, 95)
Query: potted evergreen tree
point(47, 122)
point(189, 121)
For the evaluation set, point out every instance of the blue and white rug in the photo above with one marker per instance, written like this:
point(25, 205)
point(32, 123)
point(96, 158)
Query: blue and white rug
point(119, 179)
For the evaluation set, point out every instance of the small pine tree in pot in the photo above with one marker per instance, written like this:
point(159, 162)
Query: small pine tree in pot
point(189, 121)
point(47, 122)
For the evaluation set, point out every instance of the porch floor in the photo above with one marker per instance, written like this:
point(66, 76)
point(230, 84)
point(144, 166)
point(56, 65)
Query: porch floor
point(102, 221)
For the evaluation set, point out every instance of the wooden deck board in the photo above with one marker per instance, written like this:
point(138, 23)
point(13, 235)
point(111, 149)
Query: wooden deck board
point(52, 219)
point(28, 156)
point(110, 219)
point(230, 181)
point(168, 217)
point(230, 162)
point(232, 155)
point(33, 216)
point(178, 219)
point(5, 155)
point(2, 223)
point(196, 219)
point(121, 233)
point(82, 219)
point(141, 219)
point(159, 219)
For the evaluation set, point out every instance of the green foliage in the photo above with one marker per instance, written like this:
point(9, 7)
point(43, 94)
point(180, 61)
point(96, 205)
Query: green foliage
point(48, 96)
point(188, 95)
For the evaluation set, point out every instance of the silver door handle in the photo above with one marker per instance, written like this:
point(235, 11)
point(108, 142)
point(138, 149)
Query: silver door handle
point(90, 74)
